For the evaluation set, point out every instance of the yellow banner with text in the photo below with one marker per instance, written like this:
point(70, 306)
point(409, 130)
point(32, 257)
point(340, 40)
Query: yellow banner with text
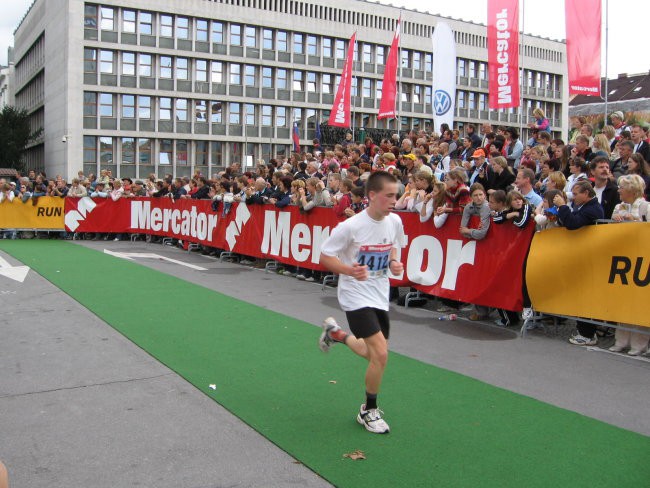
point(600, 272)
point(45, 214)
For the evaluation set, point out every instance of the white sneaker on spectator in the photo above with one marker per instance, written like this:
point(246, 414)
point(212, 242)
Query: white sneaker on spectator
point(580, 340)
point(287, 273)
point(311, 279)
point(445, 308)
point(246, 262)
point(467, 307)
point(635, 352)
point(300, 276)
point(372, 421)
point(616, 348)
point(527, 313)
point(500, 323)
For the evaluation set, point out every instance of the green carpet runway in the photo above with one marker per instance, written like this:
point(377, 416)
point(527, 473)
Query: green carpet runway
point(447, 430)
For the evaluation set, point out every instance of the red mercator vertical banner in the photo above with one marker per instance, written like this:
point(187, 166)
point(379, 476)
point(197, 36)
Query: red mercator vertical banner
point(503, 53)
point(583, 29)
point(389, 85)
point(340, 114)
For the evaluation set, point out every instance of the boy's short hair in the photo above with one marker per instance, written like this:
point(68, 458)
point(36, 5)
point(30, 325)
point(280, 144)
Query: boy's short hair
point(358, 191)
point(498, 196)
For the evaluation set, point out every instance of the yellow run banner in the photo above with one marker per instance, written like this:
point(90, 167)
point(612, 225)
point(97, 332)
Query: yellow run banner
point(599, 272)
point(47, 214)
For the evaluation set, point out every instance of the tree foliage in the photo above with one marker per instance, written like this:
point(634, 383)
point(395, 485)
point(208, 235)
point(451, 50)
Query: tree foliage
point(15, 134)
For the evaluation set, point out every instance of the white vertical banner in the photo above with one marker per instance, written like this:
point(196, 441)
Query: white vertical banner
point(443, 97)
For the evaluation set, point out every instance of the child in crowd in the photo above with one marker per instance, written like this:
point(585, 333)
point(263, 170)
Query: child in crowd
point(480, 208)
point(546, 216)
point(517, 209)
point(358, 201)
point(432, 202)
point(345, 200)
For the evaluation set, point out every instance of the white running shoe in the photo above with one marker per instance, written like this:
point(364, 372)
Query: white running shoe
point(372, 421)
point(580, 340)
point(325, 342)
point(527, 313)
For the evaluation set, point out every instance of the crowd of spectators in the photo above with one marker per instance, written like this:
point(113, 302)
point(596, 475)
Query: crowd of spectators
point(489, 173)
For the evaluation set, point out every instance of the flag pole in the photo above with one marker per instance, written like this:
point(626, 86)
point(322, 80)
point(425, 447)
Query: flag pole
point(398, 98)
point(522, 56)
point(606, 58)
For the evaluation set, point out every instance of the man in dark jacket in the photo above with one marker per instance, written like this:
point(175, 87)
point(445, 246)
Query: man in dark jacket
point(606, 189)
point(203, 191)
point(586, 209)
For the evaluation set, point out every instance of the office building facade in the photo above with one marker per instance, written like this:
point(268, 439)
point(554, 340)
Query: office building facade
point(144, 87)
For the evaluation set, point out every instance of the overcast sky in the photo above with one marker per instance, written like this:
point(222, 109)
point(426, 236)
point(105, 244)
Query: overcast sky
point(628, 25)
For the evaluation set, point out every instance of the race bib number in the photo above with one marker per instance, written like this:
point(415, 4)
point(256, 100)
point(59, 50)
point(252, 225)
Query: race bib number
point(376, 257)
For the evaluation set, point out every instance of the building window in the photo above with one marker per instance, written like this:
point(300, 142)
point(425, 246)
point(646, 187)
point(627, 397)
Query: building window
point(144, 151)
point(327, 86)
point(482, 101)
point(234, 114)
point(417, 60)
point(215, 112)
point(146, 23)
point(90, 17)
point(182, 72)
point(298, 43)
point(128, 21)
point(281, 78)
point(181, 109)
point(165, 153)
point(249, 111)
point(106, 104)
point(340, 49)
point(379, 85)
point(460, 99)
point(165, 67)
point(201, 30)
point(200, 111)
point(90, 150)
point(128, 106)
point(90, 60)
point(128, 64)
point(144, 107)
point(311, 82)
point(235, 35)
point(250, 75)
point(181, 152)
point(182, 28)
point(215, 150)
point(428, 62)
point(108, 19)
point(482, 74)
point(280, 116)
point(367, 53)
point(201, 154)
point(267, 39)
point(427, 94)
point(380, 55)
point(267, 77)
point(166, 26)
point(128, 150)
point(251, 36)
point(165, 109)
point(217, 72)
point(327, 47)
point(366, 88)
point(106, 150)
point(406, 92)
point(462, 67)
point(472, 69)
point(298, 81)
point(107, 62)
point(201, 70)
point(217, 32)
point(267, 116)
point(145, 67)
point(90, 104)
point(235, 74)
point(406, 63)
point(282, 41)
point(312, 45)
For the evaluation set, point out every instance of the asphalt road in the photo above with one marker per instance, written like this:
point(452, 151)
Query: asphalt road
point(81, 406)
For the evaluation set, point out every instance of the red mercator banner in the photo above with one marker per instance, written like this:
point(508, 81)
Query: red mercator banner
point(389, 85)
point(340, 114)
point(583, 28)
point(503, 53)
point(437, 261)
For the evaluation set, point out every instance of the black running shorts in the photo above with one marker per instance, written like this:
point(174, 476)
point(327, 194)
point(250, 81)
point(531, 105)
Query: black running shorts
point(367, 321)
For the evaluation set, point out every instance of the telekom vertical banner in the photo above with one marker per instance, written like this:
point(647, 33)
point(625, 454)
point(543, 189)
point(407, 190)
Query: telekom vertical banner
point(389, 85)
point(583, 28)
point(503, 53)
point(340, 114)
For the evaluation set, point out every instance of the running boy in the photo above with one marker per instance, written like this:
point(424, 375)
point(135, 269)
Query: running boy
point(362, 250)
